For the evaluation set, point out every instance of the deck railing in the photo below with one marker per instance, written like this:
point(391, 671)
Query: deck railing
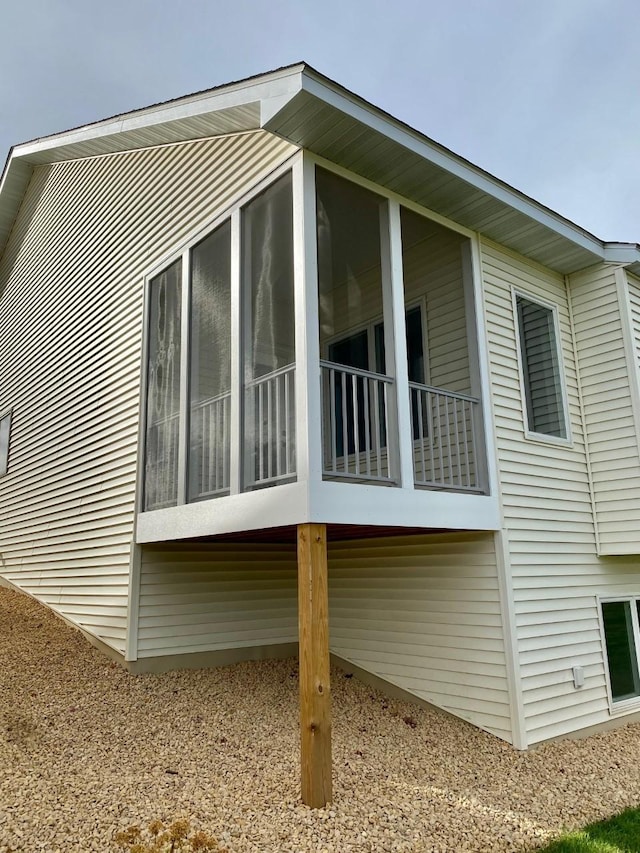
point(270, 427)
point(209, 464)
point(356, 405)
point(444, 429)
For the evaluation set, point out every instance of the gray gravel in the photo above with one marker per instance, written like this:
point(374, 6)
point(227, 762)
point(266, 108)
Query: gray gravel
point(87, 749)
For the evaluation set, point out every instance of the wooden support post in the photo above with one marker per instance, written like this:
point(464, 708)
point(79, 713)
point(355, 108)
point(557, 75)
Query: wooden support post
point(315, 693)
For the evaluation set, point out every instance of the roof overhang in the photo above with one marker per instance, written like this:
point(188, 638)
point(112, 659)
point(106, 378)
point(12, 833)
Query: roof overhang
point(309, 110)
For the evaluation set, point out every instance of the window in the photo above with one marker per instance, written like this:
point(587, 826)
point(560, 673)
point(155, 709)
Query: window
point(5, 428)
point(540, 365)
point(620, 622)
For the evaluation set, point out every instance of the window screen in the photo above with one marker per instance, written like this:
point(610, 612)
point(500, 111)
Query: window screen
point(5, 427)
point(163, 389)
point(540, 368)
point(210, 370)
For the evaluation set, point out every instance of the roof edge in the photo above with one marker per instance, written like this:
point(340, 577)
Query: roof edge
point(476, 176)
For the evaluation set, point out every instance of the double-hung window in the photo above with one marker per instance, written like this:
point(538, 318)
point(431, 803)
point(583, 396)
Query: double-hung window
point(620, 621)
point(541, 369)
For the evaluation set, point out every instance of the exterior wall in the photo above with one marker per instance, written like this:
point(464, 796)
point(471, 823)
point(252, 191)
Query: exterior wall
point(423, 612)
point(70, 342)
point(552, 565)
point(210, 596)
point(601, 310)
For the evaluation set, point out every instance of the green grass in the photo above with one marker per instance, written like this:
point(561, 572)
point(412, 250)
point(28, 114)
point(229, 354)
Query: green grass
point(619, 834)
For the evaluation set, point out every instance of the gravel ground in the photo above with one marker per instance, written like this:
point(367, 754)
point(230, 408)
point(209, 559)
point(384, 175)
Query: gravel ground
point(87, 749)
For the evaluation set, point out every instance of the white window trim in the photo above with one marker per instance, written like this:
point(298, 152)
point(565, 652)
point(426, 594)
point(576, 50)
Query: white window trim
point(624, 706)
point(529, 434)
point(4, 468)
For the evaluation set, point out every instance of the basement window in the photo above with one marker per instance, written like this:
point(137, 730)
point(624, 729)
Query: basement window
point(540, 367)
point(621, 634)
point(5, 429)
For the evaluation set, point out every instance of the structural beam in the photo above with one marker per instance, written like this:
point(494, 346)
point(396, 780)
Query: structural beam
point(315, 693)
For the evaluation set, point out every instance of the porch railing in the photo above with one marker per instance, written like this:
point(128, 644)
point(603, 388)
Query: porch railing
point(270, 427)
point(444, 447)
point(161, 467)
point(356, 406)
point(209, 452)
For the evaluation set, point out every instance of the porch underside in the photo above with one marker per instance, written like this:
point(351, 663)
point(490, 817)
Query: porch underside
point(418, 609)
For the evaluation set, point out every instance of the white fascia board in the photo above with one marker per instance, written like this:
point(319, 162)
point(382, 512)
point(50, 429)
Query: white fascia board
point(414, 141)
point(279, 86)
point(278, 506)
point(333, 502)
point(622, 253)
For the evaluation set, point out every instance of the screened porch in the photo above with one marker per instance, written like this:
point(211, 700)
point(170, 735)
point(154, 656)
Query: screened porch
point(318, 331)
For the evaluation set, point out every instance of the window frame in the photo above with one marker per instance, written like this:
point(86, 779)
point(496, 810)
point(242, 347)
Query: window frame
point(529, 434)
point(620, 706)
point(4, 458)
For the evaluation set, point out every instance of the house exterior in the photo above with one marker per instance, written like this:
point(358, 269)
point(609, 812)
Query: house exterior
point(272, 304)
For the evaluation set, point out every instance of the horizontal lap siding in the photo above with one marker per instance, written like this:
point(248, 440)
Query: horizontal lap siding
point(424, 614)
point(548, 515)
point(608, 408)
point(210, 596)
point(70, 339)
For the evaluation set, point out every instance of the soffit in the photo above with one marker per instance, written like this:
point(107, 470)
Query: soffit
point(425, 177)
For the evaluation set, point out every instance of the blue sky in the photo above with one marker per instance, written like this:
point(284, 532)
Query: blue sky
point(544, 94)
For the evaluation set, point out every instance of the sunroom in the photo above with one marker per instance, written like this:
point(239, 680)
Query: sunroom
point(314, 356)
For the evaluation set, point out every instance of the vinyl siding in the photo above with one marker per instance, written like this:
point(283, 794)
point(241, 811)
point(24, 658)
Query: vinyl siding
point(633, 285)
point(423, 613)
point(70, 342)
point(211, 596)
point(611, 428)
point(555, 572)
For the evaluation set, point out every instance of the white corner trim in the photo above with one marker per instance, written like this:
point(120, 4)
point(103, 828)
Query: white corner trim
point(510, 635)
point(133, 603)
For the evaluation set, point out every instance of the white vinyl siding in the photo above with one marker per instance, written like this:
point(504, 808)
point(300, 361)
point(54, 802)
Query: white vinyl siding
point(423, 613)
point(599, 313)
point(70, 354)
point(211, 596)
point(555, 573)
